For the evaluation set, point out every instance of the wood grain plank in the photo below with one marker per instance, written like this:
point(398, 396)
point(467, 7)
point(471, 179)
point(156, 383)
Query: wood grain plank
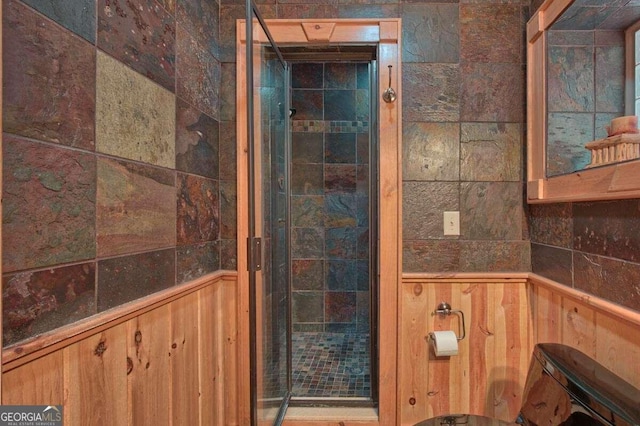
point(95, 379)
point(547, 316)
point(414, 353)
point(618, 347)
point(185, 392)
point(439, 392)
point(149, 383)
point(578, 326)
point(40, 382)
point(227, 329)
point(207, 359)
point(480, 341)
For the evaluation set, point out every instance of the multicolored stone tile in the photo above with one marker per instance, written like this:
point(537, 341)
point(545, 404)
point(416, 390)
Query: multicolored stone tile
point(552, 262)
point(339, 178)
point(491, 33)
point(431, 92)
point(307, 243)
point(570, 78)
point(430, 255)
point(608, 229)
point(610, 279)
point(491, 152)
point(363, 105)
point(422, 207)
point(135, 118)
point(362, 243)
point(307, 75)
point(61, 183)
point(364, 285)
point(340, 148)
point(37, 302)
point(610, 79)
point(339, 104)
point(567, 133)
point(372, 11)
point(197, 141)
point(200, 18)
point(431, 151)
point(309, 104)
point(495, 256)
point(307, 179)
point(196, 260)
point(49, 76)
point(124, 279)
point(134, 208)
point(227, 91)
point(362, 148)
point(229, 255)
point(198, 75)
point(307, 306)
point(339, 75)
point(78, 16)
point(140, 34)
point(340, 243)
point(340, 306)
point(307, 210)
point(228, 151)
point(198, 209)
point(551, 224)
point(228, 209)
point(340, 210)
point(341, 275)
point(491, 210)
point(492, 92)
point(307, 274)
point(307, 147)
point(430, 33)
point(307, 11)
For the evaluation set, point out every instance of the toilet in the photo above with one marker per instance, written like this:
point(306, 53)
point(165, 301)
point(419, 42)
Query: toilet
point(564, 387)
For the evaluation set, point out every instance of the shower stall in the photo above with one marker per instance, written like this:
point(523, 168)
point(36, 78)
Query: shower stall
point(313, 222)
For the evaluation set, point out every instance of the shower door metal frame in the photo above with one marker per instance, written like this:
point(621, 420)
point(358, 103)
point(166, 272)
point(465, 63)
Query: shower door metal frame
point(386, 34)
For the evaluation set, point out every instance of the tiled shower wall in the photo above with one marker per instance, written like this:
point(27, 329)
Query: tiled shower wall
point(118, 171)
point(463, 94)
point(330, 197)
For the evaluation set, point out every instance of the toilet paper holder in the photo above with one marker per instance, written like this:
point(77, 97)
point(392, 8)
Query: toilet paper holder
point(444, 309)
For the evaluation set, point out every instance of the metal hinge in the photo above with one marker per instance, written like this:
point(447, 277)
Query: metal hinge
point(255, 253)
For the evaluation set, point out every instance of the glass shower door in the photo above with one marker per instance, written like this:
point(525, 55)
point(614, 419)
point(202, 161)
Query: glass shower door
point(269, 257)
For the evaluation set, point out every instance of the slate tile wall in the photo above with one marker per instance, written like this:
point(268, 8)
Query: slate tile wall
point(118, 173)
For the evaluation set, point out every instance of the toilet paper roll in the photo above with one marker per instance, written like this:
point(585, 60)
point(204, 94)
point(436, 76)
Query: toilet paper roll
point(445, 343)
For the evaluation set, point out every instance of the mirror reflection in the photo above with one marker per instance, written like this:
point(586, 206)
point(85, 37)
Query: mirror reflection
point(589, 85)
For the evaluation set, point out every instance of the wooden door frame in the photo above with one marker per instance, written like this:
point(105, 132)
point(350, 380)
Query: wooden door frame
point(386, 35)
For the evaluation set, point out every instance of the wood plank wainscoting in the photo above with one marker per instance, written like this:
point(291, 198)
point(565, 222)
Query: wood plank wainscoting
point(170, 358)
point(506, 314)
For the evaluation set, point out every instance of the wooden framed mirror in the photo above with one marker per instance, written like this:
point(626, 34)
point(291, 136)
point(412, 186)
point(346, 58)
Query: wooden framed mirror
point(593, 93)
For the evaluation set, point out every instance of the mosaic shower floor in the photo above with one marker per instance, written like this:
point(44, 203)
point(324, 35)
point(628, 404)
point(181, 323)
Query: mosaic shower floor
point(330, 365)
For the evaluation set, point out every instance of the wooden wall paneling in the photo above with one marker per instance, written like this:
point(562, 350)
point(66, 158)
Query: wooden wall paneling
point(458, 364)
point(39, 382)
point(618, 347)
point(547, 315)
point(480, 342)
point(512, 358)
point(209, 360)
point(227, 329)
point(414, 353)
point(439, 391)
point(95, 379)
point(148, 353)
point(578, 326)
point(185, 392)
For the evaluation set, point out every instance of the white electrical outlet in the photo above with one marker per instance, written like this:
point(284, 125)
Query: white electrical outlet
point(451, 223)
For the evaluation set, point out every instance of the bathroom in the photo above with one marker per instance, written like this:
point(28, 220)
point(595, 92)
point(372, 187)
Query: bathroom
point(139, 203)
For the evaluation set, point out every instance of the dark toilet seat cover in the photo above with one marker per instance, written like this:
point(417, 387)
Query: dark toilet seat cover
point(464, 419)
